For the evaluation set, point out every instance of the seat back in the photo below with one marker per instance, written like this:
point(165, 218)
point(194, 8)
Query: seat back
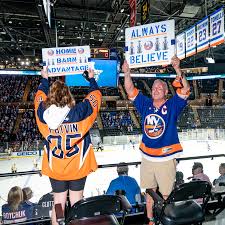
point(192, 190)
point(95, 206)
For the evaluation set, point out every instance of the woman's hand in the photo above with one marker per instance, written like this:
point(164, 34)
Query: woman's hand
point(44, 72)
point(91, 73)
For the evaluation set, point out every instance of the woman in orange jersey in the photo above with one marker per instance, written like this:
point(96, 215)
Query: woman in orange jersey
point(68, 152)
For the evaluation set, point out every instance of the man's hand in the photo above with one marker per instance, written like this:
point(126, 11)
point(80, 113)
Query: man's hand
point(44, 72)
point(175, 61)
point(125, 67)
point(91, 73)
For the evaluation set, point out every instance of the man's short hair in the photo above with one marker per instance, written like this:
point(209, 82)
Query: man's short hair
point(162, 82)
point(122, 169)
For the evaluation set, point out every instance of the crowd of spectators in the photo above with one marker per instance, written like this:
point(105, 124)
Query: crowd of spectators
point(117, 120)
point(12, 88)
point(28, 128)
point(8, 117)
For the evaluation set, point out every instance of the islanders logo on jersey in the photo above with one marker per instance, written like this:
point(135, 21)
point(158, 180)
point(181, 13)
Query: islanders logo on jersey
point(154, 126)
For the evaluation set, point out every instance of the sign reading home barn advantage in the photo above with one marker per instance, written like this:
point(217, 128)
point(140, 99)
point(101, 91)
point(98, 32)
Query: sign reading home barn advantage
point(151, 44)
point(66, 60)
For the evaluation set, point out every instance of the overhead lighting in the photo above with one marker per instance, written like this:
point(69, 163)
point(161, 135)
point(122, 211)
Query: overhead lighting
point(122, 10)
point(210, 60)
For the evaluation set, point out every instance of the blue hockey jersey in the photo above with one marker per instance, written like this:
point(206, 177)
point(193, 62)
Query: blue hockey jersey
point(160, 140)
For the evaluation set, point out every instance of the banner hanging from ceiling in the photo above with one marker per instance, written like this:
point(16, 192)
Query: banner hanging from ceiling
point(151, 44)
point(180, 46)
point(202, 29)
point(217, 27)
point(133, 12)
point(190, 41)
point(66, 60)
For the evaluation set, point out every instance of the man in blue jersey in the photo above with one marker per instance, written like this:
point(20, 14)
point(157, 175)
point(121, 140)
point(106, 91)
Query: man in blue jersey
point(126, 183)
point(160, 144)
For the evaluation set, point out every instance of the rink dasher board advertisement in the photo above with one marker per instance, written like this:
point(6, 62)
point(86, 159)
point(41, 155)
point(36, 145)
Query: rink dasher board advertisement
point(22, 154)
point(217, 34)
point(66, 60)
point(202, 30)
point(150, 44)
point(180, 45)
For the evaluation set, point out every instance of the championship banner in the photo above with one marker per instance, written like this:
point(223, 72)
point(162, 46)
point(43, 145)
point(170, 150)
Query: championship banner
point(190, 42)
point(105, 71)
point(180, 45)
point(145, 10)
point(202, 30)
point(66, 60)
point(217, 27)
point(133, 12)
point(151, 44)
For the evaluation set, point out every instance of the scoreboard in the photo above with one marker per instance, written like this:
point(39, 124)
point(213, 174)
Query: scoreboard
point(100, 53)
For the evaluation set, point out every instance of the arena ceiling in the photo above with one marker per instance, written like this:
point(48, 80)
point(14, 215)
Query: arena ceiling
point(24, 29)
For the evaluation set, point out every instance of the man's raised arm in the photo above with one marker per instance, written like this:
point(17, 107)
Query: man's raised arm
point(185, 89)
point(128, 83)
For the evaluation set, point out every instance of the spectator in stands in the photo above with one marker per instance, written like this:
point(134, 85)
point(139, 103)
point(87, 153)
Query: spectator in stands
point(198, 174)
point(27, 195)
point(160, 143)
point(69, 157)
point(221, 178)
point(126, 183)
point(179, 179)
point(46, 203)
point(15, 210)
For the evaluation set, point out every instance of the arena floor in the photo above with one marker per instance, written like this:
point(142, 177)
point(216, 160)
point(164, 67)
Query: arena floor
point(98, 181)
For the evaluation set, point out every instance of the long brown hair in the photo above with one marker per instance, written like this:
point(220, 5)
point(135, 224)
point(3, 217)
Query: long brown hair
point(59, 94)
point(15, 197)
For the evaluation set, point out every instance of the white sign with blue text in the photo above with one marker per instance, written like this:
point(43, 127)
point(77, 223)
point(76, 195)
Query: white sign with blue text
point(190, 42)
point(180, 45)
point(66, 60)
point(150, 44)
point(217, 27)
point(202, 30)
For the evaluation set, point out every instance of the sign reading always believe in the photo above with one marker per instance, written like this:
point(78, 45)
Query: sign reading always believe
point(66, 60)
point(151, 44)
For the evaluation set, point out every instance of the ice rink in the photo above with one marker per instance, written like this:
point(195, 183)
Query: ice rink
point(98, 181)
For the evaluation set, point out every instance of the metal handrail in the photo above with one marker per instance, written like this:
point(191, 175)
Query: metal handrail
point(111, 165)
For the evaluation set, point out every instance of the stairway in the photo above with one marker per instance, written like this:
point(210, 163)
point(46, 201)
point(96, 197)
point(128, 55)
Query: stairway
point(171, 88)
point(134, 118)
point(99, 121)
point(196, 116)
point(146, 87)
point(122, 91)
point(26, 91)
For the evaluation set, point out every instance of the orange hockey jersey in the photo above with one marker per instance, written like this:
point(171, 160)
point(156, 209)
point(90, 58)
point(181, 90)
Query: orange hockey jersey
point(68, 152)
